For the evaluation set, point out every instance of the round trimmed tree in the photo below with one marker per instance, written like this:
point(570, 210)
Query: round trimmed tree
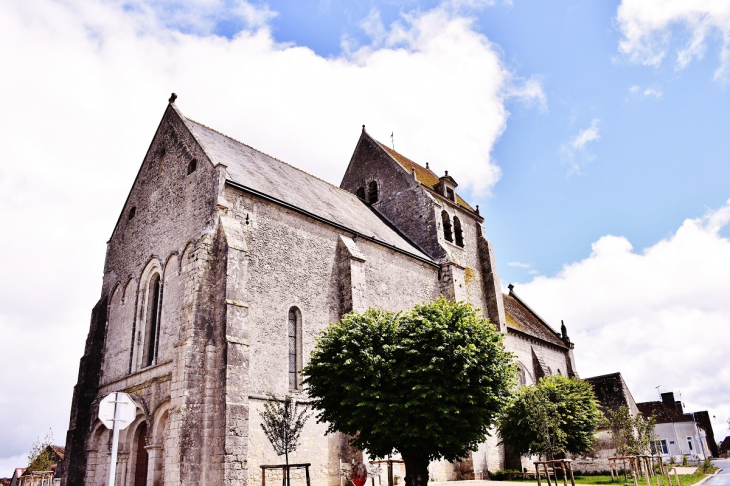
point(427, 384)
point(554, 416)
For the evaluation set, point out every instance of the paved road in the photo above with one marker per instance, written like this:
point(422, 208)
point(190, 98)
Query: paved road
point(723, 477)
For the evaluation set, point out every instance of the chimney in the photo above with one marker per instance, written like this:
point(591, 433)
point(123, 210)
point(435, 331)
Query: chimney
point(668, 399)
point(679, 406)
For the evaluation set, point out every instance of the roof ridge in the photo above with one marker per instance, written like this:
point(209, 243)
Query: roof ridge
point(271, 156)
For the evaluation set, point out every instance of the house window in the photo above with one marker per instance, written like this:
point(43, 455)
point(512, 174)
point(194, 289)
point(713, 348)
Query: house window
point(661, 446)
point(690, 445)
point(447, 226)
point(361, 193)
point(153, 318)
point(458, 234)
point(295, 345)
point(373, 192)
point(192, 166)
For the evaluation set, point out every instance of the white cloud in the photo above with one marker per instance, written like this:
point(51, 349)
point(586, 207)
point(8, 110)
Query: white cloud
point(659, 316)
point(519, 265)
point(575, 153)
point(85, 85)
point(655, 92)
point(634, 89)
point(649, 25)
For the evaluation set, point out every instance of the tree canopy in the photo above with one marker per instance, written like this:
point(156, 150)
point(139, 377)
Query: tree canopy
point(631, 435)
point(556, 415)
point(428, 383)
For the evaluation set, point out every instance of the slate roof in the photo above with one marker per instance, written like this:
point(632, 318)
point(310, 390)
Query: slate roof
point(611, 391)
point(662, 413)
point(272, 177)
point(523, 319)
point(425, 176)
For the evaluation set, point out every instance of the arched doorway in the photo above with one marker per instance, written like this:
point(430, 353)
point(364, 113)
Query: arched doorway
point(140, 469)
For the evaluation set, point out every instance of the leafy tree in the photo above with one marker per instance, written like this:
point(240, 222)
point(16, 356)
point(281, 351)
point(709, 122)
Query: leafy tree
point(554, 416)
point(631, 435)
point(41, 457)
point(427, 384)
point(283, 426)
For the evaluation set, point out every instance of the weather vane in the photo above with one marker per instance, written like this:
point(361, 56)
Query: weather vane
point(392, 140)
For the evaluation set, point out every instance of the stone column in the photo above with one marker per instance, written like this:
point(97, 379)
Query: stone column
point(155, 455)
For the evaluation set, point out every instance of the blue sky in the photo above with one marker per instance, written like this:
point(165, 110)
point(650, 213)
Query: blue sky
point(593, 135)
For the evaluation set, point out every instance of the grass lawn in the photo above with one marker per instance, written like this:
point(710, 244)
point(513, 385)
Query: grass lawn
point(684, 480)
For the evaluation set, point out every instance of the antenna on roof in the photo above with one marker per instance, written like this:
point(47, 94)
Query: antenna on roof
point(657, 389)
point(392, 140)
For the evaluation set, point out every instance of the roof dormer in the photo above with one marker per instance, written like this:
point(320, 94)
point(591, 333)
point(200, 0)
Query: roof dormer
point(446, 187)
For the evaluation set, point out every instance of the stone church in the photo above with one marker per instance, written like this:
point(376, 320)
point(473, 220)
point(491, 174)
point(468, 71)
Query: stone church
point(224, 266)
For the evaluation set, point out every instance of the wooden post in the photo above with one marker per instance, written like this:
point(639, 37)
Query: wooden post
point(283, 476)
point(611, 463)
point(565, 476)
point(570, 468)
point(633, 476)
point(669, 481)
point(390, 472)
point(307, 473)
point(537, 474)
point(676, 477)
point(263, 477)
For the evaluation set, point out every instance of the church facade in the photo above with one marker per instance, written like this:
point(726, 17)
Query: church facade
point(223, 268)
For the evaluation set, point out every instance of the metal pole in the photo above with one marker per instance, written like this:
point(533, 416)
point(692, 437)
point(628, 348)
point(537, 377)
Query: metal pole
point(115, 441)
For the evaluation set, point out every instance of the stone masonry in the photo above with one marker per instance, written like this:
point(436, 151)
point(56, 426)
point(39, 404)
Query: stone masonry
point(223, 255)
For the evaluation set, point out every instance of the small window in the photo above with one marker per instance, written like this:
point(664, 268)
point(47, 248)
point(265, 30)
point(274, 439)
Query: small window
point(446, 220)
point(192, 166)
point(361, 193)
point(690, 445)
point(373, 192)
point(450, 193)
point(295, 345)
point(458, 234)
point(132, 213)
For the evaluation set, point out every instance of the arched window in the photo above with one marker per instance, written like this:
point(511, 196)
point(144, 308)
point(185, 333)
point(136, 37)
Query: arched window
point(153, 318)
point(447, 225)
point(361, 193)
point(295, 346)
point(458, 234)
point(192, 166)
point(373, 192)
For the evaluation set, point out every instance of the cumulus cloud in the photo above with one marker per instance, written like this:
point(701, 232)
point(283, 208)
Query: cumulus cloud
point(85, 85)
point(649, 25)
point(659, 316)
point(575, 152)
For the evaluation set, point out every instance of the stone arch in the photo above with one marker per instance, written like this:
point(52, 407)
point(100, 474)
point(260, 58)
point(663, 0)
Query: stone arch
point(373, 192)
point(446, 222)
point(458, 232)
point(148, 315)
point(129, 289)
point(120, 316)
point(158, 443)
point(97, 460)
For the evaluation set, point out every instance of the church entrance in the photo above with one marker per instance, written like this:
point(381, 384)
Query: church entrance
point(140, 470)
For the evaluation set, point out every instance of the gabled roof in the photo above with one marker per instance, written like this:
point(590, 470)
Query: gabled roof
point(662, 413)
point(522, 319)
point(425, 176)
point(263, 174)
point(611, 392)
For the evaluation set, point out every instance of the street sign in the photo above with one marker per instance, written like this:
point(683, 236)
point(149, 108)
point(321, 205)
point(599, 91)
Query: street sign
point(116, 411)
point(127, 410)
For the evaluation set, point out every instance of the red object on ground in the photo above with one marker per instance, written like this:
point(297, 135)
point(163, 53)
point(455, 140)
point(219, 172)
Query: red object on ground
point(358, 474)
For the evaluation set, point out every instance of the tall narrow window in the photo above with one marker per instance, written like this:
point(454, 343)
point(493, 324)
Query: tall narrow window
point(153, 316)
point(373, 192)
point(447, 225)
point(361, 193)
point(295, 343)
point(458, 234)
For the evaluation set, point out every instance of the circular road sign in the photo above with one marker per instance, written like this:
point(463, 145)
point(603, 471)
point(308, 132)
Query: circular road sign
point(127, 410)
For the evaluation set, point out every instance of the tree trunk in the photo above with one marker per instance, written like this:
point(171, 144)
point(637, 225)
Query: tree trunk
point(416, 469)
